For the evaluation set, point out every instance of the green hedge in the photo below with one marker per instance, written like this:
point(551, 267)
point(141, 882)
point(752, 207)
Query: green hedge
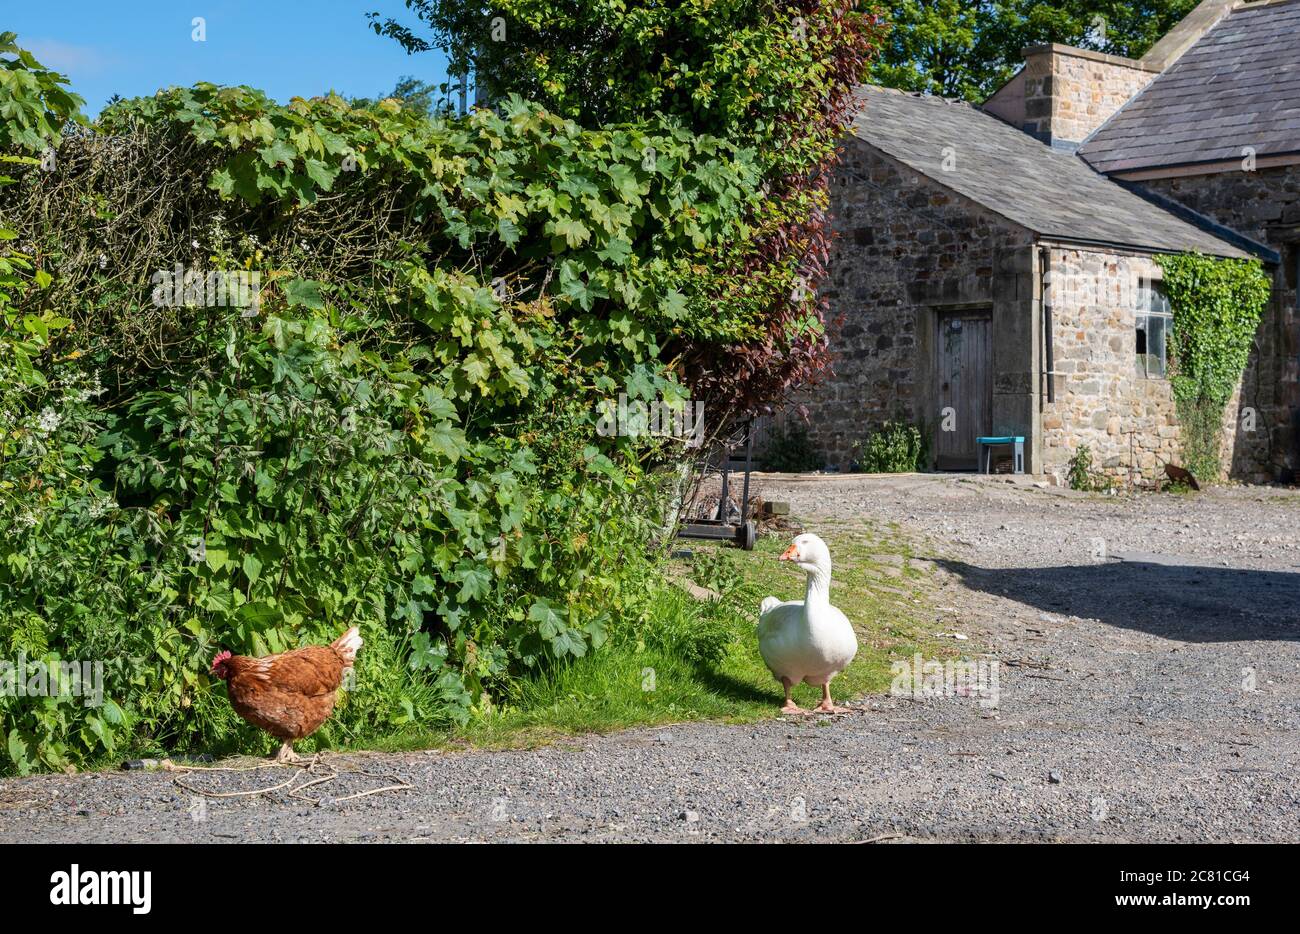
point(411, 449)
point(401, 434)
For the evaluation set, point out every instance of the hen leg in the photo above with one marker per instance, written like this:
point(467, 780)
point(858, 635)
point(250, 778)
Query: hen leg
point(286, 753)
point(827, 705)
point(790, 706)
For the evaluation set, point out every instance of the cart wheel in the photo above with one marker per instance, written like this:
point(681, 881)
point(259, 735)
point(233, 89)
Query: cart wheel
point(746, 536)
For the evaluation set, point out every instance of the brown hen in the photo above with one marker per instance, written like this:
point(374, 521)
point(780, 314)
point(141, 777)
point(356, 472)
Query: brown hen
point(290, 694)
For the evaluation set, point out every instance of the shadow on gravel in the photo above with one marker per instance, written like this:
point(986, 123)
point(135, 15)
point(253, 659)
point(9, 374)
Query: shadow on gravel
point(1192, 603)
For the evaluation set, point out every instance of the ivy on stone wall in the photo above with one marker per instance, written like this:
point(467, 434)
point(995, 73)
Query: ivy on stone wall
point(1217, 305)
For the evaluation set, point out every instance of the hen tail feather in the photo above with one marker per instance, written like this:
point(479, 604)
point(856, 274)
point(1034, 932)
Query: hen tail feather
point(347, 645)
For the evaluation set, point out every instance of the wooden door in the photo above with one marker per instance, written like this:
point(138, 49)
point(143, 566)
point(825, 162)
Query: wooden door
point(964, 369)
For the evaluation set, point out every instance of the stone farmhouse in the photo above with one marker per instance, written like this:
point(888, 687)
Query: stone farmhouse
point(994, 271)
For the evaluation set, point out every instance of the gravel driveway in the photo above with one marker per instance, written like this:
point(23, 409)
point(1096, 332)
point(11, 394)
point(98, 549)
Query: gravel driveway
point(1129, 634)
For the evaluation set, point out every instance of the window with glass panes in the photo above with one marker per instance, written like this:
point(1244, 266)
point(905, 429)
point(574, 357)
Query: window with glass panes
point(1154, 322)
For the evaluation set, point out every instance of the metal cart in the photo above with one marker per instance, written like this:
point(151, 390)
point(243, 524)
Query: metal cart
point(719, 528)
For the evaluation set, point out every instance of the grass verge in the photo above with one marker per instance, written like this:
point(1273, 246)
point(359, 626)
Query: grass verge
point(698, 659)
point(691, 659)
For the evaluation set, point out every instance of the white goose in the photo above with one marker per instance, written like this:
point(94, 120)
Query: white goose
point(807, 640)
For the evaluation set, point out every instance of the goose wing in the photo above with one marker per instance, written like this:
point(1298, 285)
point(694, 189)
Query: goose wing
point(782, 636)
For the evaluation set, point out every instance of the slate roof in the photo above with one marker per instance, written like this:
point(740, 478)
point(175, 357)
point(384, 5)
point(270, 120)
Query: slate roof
point(1048, 191)
point(1238, 86)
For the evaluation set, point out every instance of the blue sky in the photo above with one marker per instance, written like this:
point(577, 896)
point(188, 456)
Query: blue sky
point(284, 47)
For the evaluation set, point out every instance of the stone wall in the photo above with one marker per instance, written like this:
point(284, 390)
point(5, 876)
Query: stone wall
point(1265, 206)
point(1064, 93)
point(1128, 420)
point(906, 246)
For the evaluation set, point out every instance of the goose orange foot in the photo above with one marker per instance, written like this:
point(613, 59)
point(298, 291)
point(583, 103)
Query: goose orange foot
point(827, 705)
point(790, 706)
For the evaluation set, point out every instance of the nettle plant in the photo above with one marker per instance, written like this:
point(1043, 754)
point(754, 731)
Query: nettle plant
point(894, 447)
point(402, 433)
point(1217, 305)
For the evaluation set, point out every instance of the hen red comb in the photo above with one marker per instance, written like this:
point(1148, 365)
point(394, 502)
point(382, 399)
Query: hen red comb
point(221, 657)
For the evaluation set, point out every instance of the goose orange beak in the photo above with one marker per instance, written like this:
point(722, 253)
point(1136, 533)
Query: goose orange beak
point(790, 554)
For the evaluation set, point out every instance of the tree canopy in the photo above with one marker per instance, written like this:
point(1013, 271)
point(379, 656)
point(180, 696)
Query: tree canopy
point(956, 48)
point(771, 76)
point(413, 93)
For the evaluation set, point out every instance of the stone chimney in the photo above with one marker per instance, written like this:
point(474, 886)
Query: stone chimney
point(1063, 93)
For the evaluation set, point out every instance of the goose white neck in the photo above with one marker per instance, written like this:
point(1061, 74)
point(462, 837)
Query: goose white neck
point(819, 586)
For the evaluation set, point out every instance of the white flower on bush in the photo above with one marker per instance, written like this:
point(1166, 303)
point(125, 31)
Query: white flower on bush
point(100, 507)
point(217, 236)
point(49, 420)
point(25, 520)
